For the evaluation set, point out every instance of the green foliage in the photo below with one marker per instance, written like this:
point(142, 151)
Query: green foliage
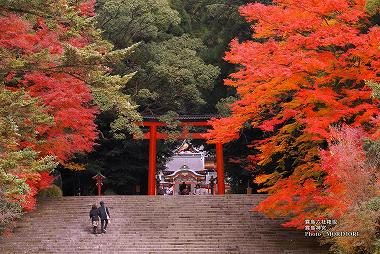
point(223, 107)
point(171, 75)
point(107, 89)
point(216, 23)
point(127, 22)
point(372, 6)
point(172, 128)
point(9, 212)
point(15, 108)
point(372, 148)
point(180, 73)
point(373, 204)
point(170, 119)
point(375, 89)
point(363, 219)
point(19, 116)
point(52, 192)
point(21, 162)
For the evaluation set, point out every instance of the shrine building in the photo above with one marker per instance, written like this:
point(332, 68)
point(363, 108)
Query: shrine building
point(191, 165)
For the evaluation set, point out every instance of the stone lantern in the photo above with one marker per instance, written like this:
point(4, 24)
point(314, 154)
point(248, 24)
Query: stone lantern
point(99, 182)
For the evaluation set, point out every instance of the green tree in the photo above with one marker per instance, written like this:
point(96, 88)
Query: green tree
point(19, 116)
point(171, 74)
point(175, 77)
point(127, 22)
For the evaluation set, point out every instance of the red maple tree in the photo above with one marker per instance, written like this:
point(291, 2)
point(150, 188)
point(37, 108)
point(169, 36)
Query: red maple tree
point(304, 70)
point(32, 45)
point(61, 89)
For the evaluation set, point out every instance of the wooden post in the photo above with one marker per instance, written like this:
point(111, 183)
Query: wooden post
point(220, 168)
point(152, 160)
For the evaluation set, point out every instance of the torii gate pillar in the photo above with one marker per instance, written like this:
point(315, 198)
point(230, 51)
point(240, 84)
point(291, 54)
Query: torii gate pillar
point(152, 160)
point(220, 168)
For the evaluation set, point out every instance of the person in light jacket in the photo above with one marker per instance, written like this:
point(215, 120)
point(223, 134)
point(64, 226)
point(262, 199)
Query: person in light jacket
point(104, 215)
point(197, 189)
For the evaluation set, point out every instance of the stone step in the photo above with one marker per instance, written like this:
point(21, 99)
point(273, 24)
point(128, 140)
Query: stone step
point(160, 224)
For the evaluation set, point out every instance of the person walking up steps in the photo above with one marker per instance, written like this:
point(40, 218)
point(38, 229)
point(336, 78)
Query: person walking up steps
point(212, 184)
point(94, 216)
point(104, 215)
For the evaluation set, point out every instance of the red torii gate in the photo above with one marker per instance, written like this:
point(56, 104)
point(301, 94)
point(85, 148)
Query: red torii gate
point(185, 121)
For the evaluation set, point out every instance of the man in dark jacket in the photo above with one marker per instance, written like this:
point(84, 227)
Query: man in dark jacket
point(104, 215)
point(212, 184)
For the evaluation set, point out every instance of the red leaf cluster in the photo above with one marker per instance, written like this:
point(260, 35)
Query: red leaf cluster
point(87, 8)
point(36, 182)
point(67, 99)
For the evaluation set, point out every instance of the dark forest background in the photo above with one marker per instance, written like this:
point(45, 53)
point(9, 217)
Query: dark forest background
point(179, 70)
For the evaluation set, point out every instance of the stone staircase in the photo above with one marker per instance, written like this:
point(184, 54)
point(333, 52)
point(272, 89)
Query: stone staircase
point(156, 224)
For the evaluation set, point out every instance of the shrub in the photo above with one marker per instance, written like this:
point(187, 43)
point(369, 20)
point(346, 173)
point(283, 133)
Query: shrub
point(352, 191)
point(52, 192)
point(109, 192)
point(351, 175)
point(9, 213)
point(364, 219)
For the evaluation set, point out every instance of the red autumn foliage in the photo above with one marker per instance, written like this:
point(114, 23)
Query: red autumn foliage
point(32, 59)
point(87, 8)
point(350, 175)
point(66, 96)
point(304, 70)
point(36, 182)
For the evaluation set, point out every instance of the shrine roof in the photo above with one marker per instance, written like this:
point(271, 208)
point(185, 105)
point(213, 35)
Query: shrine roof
point(184, 171)
point(99, 175)
point(183, 161)
point(183, 118)
point(186, 146)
